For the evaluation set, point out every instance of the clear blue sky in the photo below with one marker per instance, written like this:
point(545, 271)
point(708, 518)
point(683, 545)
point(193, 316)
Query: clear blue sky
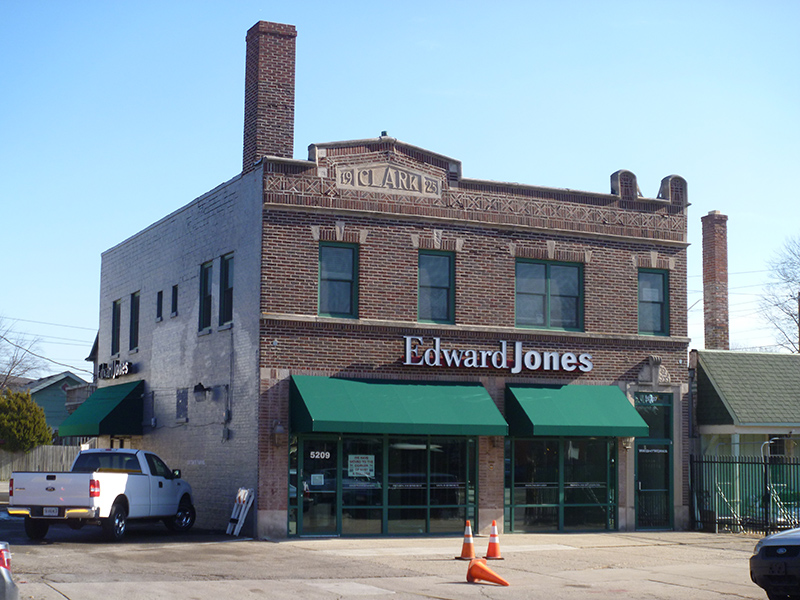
point(113, 114)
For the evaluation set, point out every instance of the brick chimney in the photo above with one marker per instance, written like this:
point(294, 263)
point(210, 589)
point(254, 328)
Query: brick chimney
point(269, 92)
point(715, 280)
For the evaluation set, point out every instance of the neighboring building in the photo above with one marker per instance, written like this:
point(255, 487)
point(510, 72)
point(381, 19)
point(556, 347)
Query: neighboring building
point(748, 403)
point(51, 394)
point(377, 345)
point(17, 384)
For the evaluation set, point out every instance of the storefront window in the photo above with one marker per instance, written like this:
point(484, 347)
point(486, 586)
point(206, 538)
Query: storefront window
point(561, 484)
point(373, 485)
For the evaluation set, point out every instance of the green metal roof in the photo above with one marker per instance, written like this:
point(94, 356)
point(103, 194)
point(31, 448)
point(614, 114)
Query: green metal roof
point(111, 410)
point(327, 404)
point(747, 388)
point(572, 410)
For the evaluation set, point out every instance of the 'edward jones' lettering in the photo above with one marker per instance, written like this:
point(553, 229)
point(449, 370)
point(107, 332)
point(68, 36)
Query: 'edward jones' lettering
point(532, 360)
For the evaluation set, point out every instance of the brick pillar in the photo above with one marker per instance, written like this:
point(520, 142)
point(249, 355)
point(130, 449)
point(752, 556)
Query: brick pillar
point(269, 92)
point(715, 280)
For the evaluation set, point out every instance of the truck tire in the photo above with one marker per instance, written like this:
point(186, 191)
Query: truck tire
point(184, 518)
point(36, 529)
point(115, 525)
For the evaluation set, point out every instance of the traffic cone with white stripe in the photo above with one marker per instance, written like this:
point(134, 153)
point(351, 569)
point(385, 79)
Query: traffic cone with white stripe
point(478, 571)
point(467, 548)
point(493, 552)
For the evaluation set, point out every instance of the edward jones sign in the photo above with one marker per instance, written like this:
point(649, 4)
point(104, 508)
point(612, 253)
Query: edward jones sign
point(508, 356)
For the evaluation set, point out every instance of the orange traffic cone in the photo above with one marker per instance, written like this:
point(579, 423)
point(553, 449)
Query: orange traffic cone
point(493, 552)
point(478, 571)
point(467, 548)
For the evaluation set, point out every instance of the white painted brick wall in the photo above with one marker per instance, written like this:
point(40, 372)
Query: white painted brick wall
point(172, 354)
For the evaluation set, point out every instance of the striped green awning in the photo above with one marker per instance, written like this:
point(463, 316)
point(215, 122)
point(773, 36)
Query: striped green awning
point(572, 410)
point(327, 404)
point(111, 410)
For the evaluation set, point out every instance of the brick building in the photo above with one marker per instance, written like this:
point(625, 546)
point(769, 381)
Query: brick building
point(400, 348)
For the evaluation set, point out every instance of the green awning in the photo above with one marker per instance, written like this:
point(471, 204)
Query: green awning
point(111, 410)
point(572, 410)
point(327, 404)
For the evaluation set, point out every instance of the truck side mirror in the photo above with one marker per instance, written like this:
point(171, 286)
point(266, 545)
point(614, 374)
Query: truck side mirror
point(176, 473)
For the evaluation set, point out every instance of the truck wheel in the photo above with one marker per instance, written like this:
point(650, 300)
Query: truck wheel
point(183, 519)
point(114, 526)
point(36, 529)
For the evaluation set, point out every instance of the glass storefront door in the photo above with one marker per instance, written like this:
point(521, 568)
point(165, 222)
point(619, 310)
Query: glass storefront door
point(654, 462)
point(654, 493)
point(320, 484)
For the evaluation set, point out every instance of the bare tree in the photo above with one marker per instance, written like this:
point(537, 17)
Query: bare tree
point(780, 304)
point(18, 357)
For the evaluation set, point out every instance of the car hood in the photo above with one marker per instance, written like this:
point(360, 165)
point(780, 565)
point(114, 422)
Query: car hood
point(790, 536)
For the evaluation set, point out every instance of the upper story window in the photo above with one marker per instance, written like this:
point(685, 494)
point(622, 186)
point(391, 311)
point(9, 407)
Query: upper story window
point(338, 280)
point(133, 340)
point(206, 272)
point(159, 305)
point(226, 289)
point(549, 295)
point(174, 307)
point(653, 302)
point(116, 319)
point(437, 284)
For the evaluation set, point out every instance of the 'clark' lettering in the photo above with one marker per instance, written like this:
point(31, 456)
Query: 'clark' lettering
point(416, 354)
point(389, 178)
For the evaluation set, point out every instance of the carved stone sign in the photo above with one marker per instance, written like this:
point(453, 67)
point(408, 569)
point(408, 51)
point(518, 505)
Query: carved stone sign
point(388, 178)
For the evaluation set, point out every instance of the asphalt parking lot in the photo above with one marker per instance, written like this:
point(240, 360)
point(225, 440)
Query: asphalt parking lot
point(154, 564)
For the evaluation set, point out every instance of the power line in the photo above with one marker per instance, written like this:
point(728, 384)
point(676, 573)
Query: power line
point(44, 357)
point(738, 273)
point(53, 324)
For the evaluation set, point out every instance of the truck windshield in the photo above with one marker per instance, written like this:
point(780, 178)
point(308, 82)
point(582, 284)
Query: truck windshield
point(112, 463)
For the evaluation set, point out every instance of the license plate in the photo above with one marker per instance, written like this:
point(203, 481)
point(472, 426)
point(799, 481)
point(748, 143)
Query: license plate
point(50, 511)
point(778, 568)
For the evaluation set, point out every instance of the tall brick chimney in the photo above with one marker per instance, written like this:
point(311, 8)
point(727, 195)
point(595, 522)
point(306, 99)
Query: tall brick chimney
point(715, 280)
point(269, 92)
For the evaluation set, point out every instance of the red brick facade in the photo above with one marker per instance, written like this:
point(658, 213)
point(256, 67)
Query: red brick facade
point(488, 225)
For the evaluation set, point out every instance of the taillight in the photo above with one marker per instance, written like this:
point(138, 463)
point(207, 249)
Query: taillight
point(5, 559)
point(10, 487)
point(94, 488)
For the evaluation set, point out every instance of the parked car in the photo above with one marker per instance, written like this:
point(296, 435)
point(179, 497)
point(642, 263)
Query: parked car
point(775, 564)
point(106, 488)
point(8, 589)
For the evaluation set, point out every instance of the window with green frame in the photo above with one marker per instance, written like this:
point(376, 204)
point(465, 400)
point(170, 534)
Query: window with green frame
point(437, 284)
point(653, 302)
point(338, 280)
point(549, 295)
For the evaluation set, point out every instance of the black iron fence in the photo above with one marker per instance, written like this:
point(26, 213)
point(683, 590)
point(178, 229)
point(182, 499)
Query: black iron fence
point(740, 493)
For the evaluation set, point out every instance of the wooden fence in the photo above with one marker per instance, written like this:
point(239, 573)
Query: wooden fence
point(43, 458)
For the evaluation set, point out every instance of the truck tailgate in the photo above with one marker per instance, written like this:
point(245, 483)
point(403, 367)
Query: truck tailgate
point(51, 489)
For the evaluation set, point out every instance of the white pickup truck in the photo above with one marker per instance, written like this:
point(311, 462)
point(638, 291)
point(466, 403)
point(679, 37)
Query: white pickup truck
point(105, 487)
